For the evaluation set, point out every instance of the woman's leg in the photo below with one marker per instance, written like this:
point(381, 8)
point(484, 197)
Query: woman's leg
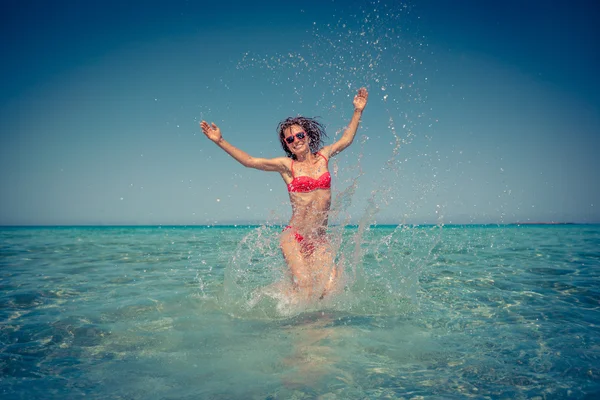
point(292, 250)
point(322, 261)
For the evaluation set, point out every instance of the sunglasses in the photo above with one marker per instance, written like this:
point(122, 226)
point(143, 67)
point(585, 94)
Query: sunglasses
point(299, 135)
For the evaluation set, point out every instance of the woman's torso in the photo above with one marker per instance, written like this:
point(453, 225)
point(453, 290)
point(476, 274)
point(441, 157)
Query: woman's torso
point(310, 195)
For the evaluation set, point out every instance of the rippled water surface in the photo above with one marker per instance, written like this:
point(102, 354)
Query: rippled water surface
point(173, 312)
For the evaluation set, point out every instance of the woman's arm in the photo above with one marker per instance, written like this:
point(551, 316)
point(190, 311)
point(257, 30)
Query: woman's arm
point(213, 132)
point(360, 101)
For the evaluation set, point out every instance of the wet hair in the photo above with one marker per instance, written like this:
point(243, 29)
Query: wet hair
point(314, 129)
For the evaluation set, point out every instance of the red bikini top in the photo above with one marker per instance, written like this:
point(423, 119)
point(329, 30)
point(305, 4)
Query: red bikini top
point(303, 184)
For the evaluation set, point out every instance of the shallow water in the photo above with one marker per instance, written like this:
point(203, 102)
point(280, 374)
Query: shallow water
point(150, 312)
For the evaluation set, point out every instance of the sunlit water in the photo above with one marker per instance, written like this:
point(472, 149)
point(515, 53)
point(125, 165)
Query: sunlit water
point(149, 313)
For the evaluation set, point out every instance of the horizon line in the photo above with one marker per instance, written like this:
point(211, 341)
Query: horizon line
point(248, 225)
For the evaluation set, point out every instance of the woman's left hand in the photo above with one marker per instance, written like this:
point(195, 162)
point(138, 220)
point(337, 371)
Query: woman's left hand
point(360, 100)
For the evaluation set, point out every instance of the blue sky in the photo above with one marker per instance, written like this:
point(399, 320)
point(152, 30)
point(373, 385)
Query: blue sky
point(495, 107)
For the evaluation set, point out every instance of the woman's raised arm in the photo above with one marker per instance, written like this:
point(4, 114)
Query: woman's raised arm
point(360, 101)
point(213, 132)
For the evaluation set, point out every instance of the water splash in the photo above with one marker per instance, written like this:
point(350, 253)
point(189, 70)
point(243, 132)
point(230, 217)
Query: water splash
point(376, 46)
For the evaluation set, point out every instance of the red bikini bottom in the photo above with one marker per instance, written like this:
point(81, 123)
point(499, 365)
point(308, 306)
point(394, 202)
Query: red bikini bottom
point(299, 238)
point(307, 247)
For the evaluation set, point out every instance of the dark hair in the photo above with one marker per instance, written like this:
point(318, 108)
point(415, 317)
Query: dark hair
point(314, 129)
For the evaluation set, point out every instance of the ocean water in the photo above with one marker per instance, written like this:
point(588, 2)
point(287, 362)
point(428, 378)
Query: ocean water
point(193, 313)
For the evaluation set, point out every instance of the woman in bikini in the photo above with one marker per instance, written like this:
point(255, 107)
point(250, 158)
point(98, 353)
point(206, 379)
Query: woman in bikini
point(305, 171)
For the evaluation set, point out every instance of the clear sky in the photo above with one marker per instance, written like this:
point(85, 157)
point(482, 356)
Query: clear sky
point(478, 112)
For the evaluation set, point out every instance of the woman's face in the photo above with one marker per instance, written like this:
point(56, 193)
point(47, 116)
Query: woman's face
point(296, 144)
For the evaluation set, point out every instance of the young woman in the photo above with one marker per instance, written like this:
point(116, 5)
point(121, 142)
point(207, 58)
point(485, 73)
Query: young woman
point(305, 171)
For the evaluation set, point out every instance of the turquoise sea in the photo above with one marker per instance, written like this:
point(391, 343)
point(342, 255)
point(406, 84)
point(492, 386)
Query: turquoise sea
point(447, 312)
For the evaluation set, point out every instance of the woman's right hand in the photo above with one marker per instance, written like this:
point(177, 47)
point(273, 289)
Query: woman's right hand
point(211, 131)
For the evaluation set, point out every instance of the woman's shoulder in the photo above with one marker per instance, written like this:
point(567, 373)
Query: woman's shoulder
point(286, 162)
point(325, 152)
